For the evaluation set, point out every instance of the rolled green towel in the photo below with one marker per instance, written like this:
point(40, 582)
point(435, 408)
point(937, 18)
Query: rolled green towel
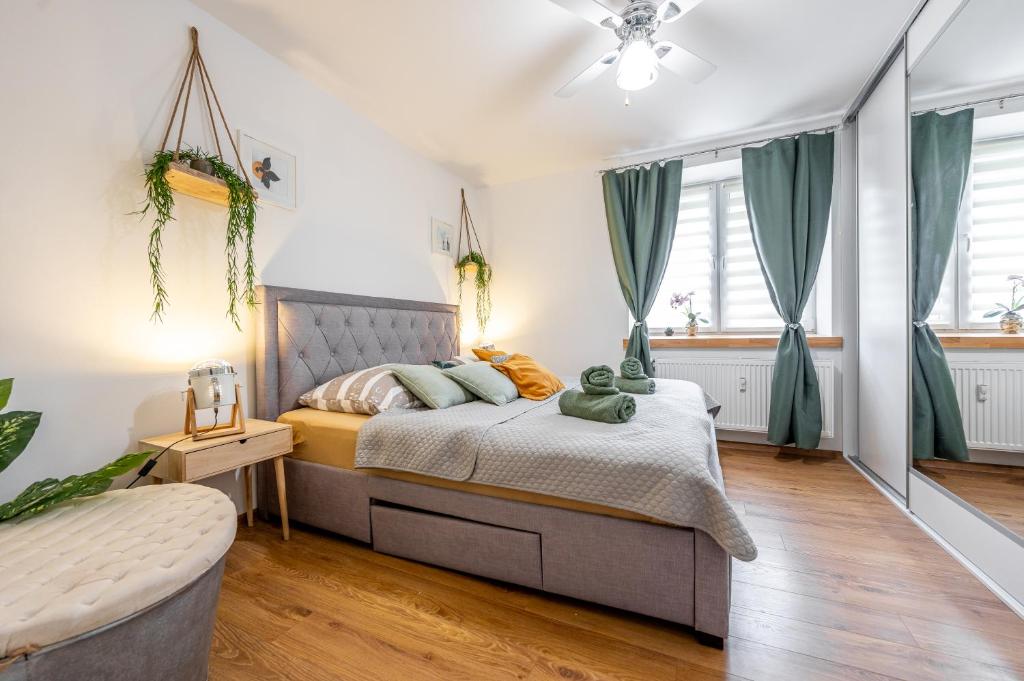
point(598, 380)
point(616, 408)
point(639, 386)
point(631, 367)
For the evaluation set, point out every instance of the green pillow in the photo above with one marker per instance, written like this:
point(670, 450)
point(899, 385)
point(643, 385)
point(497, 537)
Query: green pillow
point(480, 378)
point(429, 383)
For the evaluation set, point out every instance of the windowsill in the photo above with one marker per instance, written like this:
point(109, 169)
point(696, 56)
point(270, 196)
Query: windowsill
point(738, 341)
point(980, 340)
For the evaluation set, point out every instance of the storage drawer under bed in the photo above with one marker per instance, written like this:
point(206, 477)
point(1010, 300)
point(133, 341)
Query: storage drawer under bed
point(477, 548)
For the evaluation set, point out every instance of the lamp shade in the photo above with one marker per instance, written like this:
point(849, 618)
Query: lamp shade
point(213, 383)
point(638, 66)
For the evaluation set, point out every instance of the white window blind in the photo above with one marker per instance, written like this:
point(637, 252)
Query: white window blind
point(690, 266)
point(995, 237)
point(990, 243)
point(746, 304)
point(713, 255)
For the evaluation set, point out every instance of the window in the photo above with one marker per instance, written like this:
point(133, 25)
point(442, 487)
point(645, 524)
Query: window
point(713, 255)
point(990, 237)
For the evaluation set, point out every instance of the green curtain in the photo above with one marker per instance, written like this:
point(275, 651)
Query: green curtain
point(642, 207)
point(788, 188)
point(940, 157)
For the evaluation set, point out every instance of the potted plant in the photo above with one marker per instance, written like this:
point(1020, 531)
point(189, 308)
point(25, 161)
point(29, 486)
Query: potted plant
point(1009, 319)
point(16, 429)
point(677, 301)
point(473, 263)
point(240, 229)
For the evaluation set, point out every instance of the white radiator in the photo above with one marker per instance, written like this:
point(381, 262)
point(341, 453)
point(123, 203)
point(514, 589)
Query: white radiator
point(991, 397)
point(744, 387)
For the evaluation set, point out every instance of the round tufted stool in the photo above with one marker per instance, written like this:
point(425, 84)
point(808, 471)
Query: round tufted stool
point(116, 587)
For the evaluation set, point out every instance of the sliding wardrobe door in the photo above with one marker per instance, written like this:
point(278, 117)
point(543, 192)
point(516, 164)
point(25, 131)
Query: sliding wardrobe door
point(883, 281)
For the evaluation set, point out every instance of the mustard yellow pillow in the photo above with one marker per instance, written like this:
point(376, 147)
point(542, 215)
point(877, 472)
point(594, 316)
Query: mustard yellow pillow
point(486, 353)
point(534, 381)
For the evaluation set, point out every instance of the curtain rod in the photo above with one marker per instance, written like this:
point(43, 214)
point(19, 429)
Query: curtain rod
point(828, 128)
point(1001, 98)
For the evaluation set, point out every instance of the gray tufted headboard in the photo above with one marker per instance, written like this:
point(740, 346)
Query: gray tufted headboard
point(305, 338)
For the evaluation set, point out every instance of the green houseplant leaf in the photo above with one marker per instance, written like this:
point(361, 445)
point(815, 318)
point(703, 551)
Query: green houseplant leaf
point(6, 385)
point(41, 495)
point(16, 427)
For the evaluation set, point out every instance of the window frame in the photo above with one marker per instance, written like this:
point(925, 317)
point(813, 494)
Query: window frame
point(719, 235)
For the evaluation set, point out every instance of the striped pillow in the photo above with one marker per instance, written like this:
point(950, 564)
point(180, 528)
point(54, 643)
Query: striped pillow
point(367, 391)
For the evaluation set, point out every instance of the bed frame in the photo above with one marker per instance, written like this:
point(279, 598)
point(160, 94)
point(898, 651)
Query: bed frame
point(307, 337)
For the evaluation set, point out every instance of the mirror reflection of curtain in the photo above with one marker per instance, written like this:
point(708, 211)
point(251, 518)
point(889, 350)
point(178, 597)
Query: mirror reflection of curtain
point(940, 160)
point(788, 188)
point(642, 207)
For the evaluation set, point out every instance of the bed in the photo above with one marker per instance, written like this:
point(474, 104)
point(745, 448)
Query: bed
point(614, 556)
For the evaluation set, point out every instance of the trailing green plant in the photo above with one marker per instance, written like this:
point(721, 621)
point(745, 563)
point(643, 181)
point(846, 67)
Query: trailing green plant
point(16, 430)
point(241, 228)
point(482, 279)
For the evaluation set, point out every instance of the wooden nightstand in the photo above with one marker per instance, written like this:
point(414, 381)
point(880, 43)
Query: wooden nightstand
point(189, 460)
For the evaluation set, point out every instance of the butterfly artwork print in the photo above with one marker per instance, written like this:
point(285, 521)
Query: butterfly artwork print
point(271, 169)
point(263, 172)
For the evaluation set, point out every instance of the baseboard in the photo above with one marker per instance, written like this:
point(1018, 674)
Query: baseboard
point(775, 450)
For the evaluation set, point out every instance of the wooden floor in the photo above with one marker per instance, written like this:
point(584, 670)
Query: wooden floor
point(845, 587)
point(995, 490)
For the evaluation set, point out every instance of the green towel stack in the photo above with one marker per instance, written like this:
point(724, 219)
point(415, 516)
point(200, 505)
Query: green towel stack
point(598, 380)
point(633, 379)
point(599, 400)
point(615, 408)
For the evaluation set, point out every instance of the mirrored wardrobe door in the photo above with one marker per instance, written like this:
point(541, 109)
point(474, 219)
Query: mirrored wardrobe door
point(966, 133)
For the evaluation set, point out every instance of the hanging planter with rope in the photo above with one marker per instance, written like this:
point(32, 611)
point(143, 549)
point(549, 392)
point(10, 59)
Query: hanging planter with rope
point(474, 264)
point(204, 176)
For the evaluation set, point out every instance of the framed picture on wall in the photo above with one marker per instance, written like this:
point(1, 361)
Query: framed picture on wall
point(271, 169)
point(441, 241)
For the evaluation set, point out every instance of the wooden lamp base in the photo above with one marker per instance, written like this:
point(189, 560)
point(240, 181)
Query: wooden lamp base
point(235, 427)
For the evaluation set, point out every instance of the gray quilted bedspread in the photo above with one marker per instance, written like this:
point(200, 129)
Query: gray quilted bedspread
point(662, 463)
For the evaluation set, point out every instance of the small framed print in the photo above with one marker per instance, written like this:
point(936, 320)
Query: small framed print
point(442, 238)
point(272, 170)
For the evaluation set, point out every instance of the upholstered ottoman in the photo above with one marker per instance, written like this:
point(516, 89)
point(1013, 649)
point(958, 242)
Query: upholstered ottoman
point(116, 587)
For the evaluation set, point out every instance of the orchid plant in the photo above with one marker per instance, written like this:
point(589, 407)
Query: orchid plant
point(1016, 302)
point(678, 300)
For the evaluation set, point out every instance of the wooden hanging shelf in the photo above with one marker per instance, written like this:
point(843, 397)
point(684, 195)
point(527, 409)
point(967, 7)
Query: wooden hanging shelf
point(184, 180)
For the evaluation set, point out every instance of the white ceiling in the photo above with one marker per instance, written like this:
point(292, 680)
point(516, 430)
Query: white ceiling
point(981, 53)
point(470, 83)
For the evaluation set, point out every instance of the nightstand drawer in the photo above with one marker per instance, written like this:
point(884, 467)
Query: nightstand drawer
point(230, 455)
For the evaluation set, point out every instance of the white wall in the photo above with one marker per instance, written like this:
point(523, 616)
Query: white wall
point(556, 294)
point(87, 91)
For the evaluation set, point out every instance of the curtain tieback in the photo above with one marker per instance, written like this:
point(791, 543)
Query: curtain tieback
point(920, 325)
point(793, 325)
point(635, 324)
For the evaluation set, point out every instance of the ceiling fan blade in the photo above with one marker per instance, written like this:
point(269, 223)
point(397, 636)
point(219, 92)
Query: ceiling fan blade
point(593, 11)
point(683, 62)
point(672, 10)
point(588, 74)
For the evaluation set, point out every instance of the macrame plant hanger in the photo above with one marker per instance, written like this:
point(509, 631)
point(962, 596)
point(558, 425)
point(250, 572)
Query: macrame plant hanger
point(197, 65)
point(478, 268)
point(202, 176)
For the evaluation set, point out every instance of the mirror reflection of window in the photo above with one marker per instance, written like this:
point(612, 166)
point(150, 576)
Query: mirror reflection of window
point(975, 385)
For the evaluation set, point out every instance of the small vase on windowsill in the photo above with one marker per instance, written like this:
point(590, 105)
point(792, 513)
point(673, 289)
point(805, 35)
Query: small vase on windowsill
point(1011, 322)
point(691, 329)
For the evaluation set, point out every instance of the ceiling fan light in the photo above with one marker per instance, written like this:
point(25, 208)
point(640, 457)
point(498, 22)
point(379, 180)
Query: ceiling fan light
point(638, 66)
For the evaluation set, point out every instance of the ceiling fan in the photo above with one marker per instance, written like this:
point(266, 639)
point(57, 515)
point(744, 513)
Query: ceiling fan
point(638, 55)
